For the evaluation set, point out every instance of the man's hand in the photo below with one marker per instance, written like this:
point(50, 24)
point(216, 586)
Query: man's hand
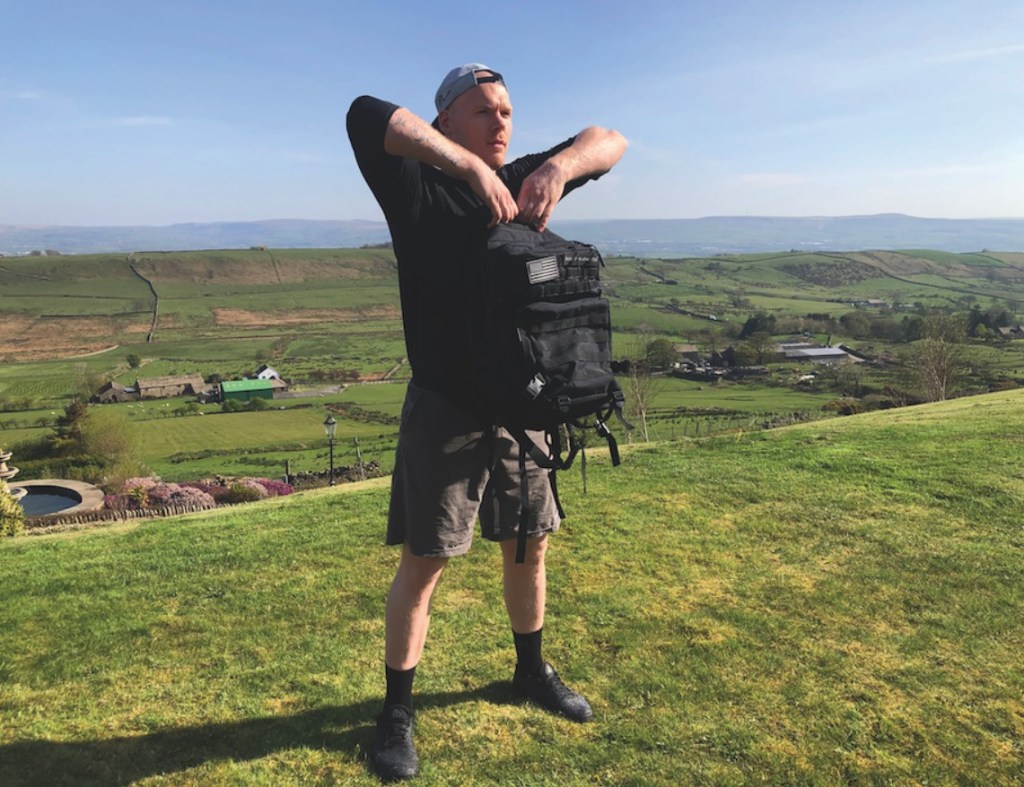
point(594, 151)
point(540, 193)
point(486, 184)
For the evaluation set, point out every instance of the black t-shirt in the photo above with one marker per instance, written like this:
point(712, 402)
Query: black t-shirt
point(437, 227)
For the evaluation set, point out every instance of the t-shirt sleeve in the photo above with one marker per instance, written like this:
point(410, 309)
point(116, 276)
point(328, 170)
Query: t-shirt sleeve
point(367, 123)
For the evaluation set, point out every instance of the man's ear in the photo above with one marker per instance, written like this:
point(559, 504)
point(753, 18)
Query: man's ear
point(444, 122)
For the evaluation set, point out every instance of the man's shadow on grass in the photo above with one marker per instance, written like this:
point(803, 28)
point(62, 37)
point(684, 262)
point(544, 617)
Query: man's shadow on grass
point(124, 760)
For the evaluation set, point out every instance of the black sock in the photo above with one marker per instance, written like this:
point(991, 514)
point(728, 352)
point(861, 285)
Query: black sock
point(399, 686)
point(528, 656)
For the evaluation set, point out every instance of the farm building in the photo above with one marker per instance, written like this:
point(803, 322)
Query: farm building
point(114, 392)
point(1012, 332)
point(163, 387)
point(245, 390)
point(800, 351)
point(267, 373)
point(688, 352)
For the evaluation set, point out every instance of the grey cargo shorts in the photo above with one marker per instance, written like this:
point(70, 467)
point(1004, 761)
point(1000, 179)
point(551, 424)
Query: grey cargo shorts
point(451, 467)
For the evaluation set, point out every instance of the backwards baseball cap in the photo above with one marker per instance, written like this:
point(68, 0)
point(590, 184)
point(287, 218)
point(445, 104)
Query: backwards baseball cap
point(461, 79)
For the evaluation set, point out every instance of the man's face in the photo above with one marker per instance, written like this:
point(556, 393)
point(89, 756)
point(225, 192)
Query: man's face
point(481, 121)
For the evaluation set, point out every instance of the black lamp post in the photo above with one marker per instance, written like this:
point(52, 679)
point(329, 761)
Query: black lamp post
point(329, 426)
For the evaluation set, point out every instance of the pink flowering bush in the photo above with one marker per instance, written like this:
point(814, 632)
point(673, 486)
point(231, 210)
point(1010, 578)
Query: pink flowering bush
point(137, 493)
point(275, 488)
point(219, 492)
point(160, 494)
point(188, 496)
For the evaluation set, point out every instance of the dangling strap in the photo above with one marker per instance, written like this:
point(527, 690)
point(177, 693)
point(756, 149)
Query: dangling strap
point(618, 402)
point(574, 445)
point(549, 461)
point(613, 446)
point(555, 443)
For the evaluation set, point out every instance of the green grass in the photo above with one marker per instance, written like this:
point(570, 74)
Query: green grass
point(833, 603)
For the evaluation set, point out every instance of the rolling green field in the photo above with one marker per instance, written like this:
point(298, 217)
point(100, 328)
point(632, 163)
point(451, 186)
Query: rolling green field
point(320, 315)
point(832, 603)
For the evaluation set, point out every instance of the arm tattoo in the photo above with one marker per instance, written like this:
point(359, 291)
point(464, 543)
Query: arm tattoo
point(419, 136)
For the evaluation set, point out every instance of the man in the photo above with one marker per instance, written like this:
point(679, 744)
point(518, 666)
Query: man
point(441, 187)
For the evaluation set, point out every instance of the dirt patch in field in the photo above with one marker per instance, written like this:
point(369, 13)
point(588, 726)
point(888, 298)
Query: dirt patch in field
point(251, 319)
point(256, 268)
point(44, 338)
point(835, 273)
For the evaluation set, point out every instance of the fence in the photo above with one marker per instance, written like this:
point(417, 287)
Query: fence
point(52, 523)
point(680, 424)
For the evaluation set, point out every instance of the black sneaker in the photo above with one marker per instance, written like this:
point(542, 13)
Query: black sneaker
point(393, 756)
point(546, 689)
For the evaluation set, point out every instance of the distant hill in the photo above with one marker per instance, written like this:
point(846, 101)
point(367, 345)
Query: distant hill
point(746, 234)
point(277, 233)
point(643, 237)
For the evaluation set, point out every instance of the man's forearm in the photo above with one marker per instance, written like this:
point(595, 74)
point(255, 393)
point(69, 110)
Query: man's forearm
point(410, 135)
point(594, 151)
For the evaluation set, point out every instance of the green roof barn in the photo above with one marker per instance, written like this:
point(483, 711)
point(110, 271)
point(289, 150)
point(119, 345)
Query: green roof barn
point(245, 390)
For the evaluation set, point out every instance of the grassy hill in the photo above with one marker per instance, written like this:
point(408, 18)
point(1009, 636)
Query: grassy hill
point(301, 305)
point(830, 603)
point(324, 315)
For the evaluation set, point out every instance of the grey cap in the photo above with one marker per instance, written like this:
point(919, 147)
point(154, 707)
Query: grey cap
point(461, 79)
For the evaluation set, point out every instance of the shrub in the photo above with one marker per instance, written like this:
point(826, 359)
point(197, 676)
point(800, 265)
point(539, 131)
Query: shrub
point(190, 496)
point(136, 489)
point(12, 516)
point(119, 503)
point(275, 488)
point(843, 406)
point(137, 482)
point(245, 491)
point(160, 494)
point(219, 492)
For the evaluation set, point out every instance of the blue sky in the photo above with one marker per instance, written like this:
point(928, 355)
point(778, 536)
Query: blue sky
point(167, 111)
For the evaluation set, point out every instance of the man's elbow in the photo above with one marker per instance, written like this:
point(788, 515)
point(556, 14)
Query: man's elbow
point(611, 144)
point(620, 142)
point(616, 138)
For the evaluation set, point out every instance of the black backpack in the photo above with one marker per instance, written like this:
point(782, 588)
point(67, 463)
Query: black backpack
point(541, 338)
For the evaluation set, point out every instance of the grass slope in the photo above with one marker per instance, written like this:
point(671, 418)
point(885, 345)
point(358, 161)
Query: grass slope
point(831, 603)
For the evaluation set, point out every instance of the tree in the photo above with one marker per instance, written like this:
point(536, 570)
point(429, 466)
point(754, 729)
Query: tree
point(761, 322)
point(641, 384)
point(936, 362)
point(659, 354)
point(713, 342)
point(641, 388)
point(12, 517)
point(761, 346)
point(856, 324)
point(68, 438)
point(134, 360)
point(88, 382)
point(110, 449)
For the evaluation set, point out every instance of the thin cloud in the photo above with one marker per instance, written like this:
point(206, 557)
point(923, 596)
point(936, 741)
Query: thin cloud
point(141, 120)
point(771, 180)
point(304, 156)
point(979, 54)
point(21, 95)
